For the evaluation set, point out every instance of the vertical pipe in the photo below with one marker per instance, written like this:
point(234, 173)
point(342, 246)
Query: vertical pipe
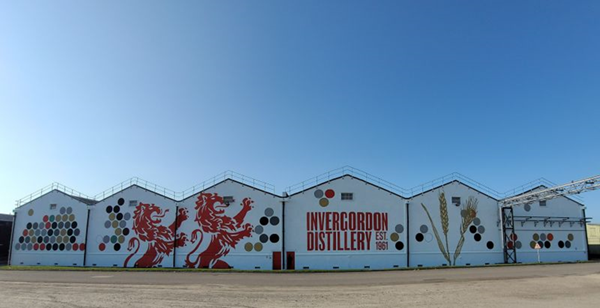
point(407, 234)
point(283, 254)
point(175, 234)
point(87, 231)
point(12, 235)
point(587, 244)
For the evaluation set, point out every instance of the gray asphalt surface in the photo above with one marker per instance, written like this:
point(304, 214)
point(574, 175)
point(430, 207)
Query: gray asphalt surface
point(573, 285)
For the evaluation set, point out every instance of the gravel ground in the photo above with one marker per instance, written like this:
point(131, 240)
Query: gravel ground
point(574, 285)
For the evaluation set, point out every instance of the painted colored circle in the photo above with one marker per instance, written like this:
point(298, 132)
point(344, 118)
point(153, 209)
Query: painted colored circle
point(58, 218)
point(126, 231)
point(532, 244)
point(570, 237)
point(115, 224)
point(29, 225)
point(394, 237)
point(82, 246)
point(121, 239)
point(72, 217)
point(76, 246)
point(424, 229)
point(59, 239)
point(263, 238)
point(106, 239)
point(112, 216)
point(17, 246)
point(258, 229)
point(69, 210)
point(119, 216)
point(45, 219)
point(51, 219)
point(30, 212)
point(330, 193)
point(30, 232)
point(27, 239)
point(477, 222)
point(35, 225)
point(46, 239)
point(274, 238)
point(543, 237)
point(518, 245)
point(76, 232)
point(109, 209)
point(323, 202)
point(122, 224)
point(318, 194)
point(61, 225)
point(62, 210)
point(550, 236)
point(63, 232)
point(541, 244)
point(419, 237)
point(36, 246)
point(40, 239)
point(42, 246)
point(248, 247)
point(68, 246)
point(127, 216)
point(568, 244)
point(113, 239)
point(21, 239)
point(513, 236)
point(72, 239)
point(48, 225)
point(274, 220)
point(561, 244)
point(473, 229)
point(121, 201)
point(68, 224)
point(477, 237)
point(30, 246)
point(399, 245)
point(116, 209)
point(118, 231)
point(54, 225)
point(264, 221)
point(269, 212)
point(53, 239)
point(490, 245)
point(399, 228)
point(61, 247)
point(509, 245)
point(547, 244)
point(258, 246)
point(36, 232)
point(44, 232)
point(55, 247)
point(527, 207)
point(117, 247)
point(536, 237)
point(481, 229)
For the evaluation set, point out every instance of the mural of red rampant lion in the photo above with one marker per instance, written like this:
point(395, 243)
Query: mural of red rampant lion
point(225, 231)
point(147, 219)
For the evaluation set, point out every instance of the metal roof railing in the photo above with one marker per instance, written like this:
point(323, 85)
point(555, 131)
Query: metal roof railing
point(232, 175)
point(47, 189)
point(454, 176)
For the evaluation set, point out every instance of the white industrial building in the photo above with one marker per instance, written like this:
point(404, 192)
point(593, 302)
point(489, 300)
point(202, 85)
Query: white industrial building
point(344, 219)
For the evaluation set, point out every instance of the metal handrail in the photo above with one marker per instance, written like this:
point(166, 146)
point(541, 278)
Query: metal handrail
point(533, 184)
point(224, 176)
point(49, 188)
point(419, 189)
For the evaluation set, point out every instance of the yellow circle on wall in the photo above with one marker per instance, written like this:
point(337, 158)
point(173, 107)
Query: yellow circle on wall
point(30, 212)
point(394, 237)
point(258, 247)
point(324, 202)
point(248, 246)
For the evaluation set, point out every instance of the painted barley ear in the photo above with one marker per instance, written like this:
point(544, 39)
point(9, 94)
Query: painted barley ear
point(444, 218)
point(444, 251)
point(470, 210)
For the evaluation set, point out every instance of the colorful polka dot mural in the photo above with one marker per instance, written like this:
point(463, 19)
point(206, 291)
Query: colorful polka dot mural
point(395, 237)
point(117, 223)
point(263, 238)
point(51, 233)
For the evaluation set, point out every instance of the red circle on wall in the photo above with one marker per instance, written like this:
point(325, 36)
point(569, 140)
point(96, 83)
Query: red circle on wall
point(101, 246)
point(36, 246)
point(550, 236)
point(25, 232)
point(82, 246)
point(48, 225)
point(42, 246)
point(45, 218)
point(75, 246)
point(510, 245)
point(513, 237)
point(329, 193)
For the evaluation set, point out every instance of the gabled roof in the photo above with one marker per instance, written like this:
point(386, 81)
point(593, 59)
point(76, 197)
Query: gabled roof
point(351, 176)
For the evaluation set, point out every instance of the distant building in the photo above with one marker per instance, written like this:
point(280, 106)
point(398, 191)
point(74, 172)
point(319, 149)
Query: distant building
point(6, 222)
point(593, 234)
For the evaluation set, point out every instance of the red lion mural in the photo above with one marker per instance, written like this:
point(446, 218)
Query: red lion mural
point(147, 226)
point(225, 232)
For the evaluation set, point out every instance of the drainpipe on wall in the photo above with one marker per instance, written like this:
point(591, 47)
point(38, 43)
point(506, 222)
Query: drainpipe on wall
point(407, 234)
point(283, 253)
point(587, 244)
point(12, 235)
point(87, 231)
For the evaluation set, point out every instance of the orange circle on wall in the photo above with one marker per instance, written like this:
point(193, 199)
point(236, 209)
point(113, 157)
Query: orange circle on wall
point(550, 236)
point(324, 202)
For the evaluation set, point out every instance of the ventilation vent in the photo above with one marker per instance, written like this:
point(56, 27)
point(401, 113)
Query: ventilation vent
point(228, 199)
point(347, 196)
point(456, 201)
point(53, 206)
point(543, 203)
point(396, 266)
point(257, 267)
point(306, 267)
point(336, 267)
point(367, 266)
point(132, 202)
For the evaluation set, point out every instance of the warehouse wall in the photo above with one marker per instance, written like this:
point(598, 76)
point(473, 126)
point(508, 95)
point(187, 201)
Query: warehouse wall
point(564, 242)
point(45, 236)
point(593, 232)
point(132, 228)
point(477, 225)
point(246, 234)
point(324, 232)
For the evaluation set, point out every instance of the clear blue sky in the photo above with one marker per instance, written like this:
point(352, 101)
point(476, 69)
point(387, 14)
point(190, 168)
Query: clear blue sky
point(94, 92)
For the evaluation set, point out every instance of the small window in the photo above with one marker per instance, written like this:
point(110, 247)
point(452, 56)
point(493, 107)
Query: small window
point(543, 203)
point(228, 199)
point(347, 196)
point(132, 202)
point(53, 206)
point(456, 201)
